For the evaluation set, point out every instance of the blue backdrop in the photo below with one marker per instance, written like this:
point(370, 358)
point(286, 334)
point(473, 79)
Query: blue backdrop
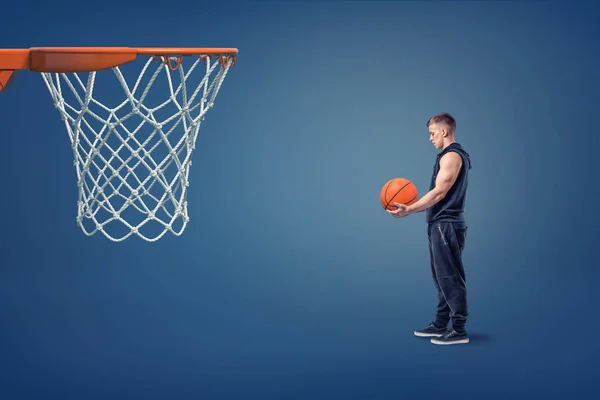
point(291, 282)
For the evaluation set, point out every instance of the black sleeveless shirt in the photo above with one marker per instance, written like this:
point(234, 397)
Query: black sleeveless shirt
point(452, 207)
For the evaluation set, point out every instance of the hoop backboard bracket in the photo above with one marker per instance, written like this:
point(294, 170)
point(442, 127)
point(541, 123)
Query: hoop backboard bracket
point(7, 78)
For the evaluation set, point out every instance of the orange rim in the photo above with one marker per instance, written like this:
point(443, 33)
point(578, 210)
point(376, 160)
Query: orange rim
point(86, 59)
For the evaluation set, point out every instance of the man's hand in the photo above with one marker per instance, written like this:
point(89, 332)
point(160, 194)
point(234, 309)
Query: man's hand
point(400, 212)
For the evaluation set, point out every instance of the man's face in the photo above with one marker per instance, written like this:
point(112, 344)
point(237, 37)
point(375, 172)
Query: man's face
point(436, 135)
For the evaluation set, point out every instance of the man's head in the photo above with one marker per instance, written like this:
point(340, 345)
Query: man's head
point(441, 130)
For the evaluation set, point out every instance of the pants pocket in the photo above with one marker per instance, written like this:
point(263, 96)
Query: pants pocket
point(442, 234)
point(460, 231)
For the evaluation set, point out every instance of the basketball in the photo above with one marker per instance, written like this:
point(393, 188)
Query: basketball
point(398, 190)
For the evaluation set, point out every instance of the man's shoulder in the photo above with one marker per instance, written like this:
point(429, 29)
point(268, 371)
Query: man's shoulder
point(452, 156)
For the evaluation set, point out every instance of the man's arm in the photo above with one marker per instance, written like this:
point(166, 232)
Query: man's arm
point(449, 168)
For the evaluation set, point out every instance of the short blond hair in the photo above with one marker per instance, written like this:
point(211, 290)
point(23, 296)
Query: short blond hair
point(444, 118)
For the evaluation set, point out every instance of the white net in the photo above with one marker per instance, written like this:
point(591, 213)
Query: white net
point(133, 159)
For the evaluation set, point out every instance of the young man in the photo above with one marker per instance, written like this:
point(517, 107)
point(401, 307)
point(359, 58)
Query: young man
point(447, 230)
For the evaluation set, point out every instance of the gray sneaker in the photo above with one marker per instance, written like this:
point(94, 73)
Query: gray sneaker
point(431, 330)
point(452, 337)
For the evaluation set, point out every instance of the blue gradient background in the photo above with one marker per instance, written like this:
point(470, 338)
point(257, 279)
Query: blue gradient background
point(291, 282)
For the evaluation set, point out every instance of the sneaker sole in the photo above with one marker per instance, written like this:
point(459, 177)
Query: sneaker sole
point(461, 341)
point(421, 334)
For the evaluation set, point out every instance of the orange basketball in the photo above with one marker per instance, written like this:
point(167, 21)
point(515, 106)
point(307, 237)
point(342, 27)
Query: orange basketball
point(398, 190)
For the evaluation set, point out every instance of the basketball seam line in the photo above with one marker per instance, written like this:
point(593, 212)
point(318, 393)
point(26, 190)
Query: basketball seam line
point(399, 190)
point(386, 190)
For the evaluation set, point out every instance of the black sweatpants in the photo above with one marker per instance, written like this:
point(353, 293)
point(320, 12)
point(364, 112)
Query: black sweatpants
point(446, 243)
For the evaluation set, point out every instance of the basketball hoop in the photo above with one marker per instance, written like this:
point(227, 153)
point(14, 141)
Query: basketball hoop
point(132, 160)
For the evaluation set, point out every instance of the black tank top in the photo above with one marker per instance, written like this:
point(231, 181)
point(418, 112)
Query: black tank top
point(452, 207)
